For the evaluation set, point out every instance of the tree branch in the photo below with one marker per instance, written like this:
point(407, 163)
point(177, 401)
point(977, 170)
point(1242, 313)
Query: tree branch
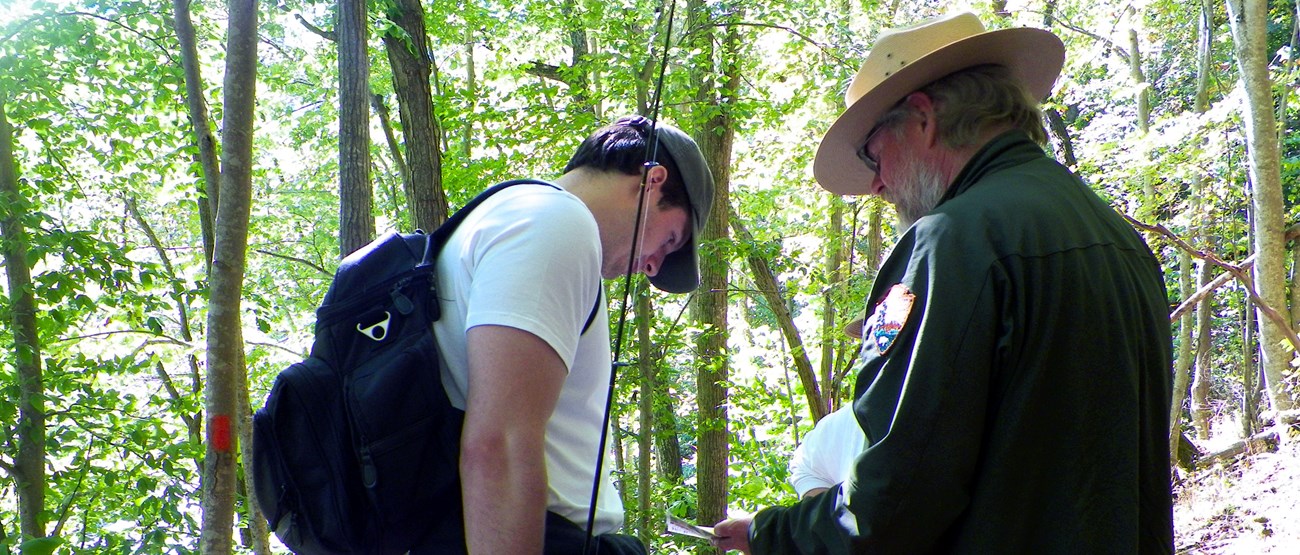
point(327, 35)
point(546, 71)
point(827, 51)
point(307, 263)
point(275, 346)
point(1237, 271)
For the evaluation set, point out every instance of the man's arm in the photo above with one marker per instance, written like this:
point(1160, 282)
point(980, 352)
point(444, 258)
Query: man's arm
point(514, 382)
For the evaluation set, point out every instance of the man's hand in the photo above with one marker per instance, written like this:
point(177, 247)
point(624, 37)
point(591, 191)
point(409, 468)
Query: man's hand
point(733, 533)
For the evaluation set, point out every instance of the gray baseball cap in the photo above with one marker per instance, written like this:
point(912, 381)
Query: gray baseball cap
point(680, 272)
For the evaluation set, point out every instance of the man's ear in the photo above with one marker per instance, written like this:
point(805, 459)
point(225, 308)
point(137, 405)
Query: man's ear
point(924, 107)
point(656, 176)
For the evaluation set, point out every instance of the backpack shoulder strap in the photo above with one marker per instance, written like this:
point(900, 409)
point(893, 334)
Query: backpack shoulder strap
point(439, 236)
point(435, 240)
point(600, 295)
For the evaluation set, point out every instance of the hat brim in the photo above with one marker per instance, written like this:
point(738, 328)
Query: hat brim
point(854, 329)
point(1035, 56)
point(680, 270)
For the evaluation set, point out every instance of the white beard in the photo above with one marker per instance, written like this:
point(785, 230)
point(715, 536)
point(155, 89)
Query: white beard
point(918, 190)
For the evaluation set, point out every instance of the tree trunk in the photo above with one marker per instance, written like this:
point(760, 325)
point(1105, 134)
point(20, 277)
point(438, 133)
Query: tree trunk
point(29, 467)
point(356, 222)
point(395, 150)
point(259, 533)
point(1295, 281)
point(193, 425)
point(1249, 372)
point(645, 439)
point(471, 92)
point(835, 284)
point(875, 240)
point(715, 94)
point(1143, 99)
point(1201, 377)
point(225, 336)
point(412, 67)
point(1293, 41)
point(1183, 362)
point(210, 182)
point(1248, 20)
point(1139, 76)
point(1060, 135)
point(579, 79)
point(765, 280)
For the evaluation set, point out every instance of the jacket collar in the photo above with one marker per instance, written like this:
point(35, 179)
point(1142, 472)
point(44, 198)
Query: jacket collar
point(1009, 149)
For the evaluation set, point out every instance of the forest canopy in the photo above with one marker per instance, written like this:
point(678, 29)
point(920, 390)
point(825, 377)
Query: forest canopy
point(137, 136)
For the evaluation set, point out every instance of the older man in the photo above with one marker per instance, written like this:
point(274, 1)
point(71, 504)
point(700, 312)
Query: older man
point(1014, 382)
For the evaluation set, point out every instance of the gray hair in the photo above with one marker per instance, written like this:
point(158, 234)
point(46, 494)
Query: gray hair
point(970, 101)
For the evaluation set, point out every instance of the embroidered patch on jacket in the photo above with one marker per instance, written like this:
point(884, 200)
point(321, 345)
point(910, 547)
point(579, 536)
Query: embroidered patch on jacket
point(888, 318)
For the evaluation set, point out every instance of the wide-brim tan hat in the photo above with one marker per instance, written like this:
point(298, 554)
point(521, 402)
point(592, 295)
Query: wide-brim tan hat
point(906, 59)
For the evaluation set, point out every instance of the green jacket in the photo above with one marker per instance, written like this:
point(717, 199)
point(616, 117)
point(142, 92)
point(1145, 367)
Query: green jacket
point(1014, 384)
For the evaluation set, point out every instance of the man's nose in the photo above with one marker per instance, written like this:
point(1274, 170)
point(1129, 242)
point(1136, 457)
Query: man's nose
point(652, 263)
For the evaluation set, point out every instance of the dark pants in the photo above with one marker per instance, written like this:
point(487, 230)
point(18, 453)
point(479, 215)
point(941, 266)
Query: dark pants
point(563, 537)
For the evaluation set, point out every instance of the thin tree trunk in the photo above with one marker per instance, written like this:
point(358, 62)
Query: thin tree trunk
point(410, 59)
point(645, 438)
point(193, 422)
point(471, 92)
point(1287, 88)
point(356, 221)
point(715, 94)
point(1139, 76)
point(259, 533)
point(875, 239)
point(831, 298)
point(579, 78)
point(667, 444)
point(1201, 377)
point(767, 285)
point(1249, 371)
point(225, 336)
point(1203, 360)
point(1201, 322)
point(1060, 134)
point(1183, 362)
point(1143, 99)
point(1248, 20)
point(1252, 352)
point(394, 149)
point(28, 468)
point(210, 183)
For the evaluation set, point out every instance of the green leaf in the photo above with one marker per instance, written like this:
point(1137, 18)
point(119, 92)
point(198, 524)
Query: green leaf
point(40, 546)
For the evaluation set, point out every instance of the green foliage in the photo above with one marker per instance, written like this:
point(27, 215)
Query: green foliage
point(96, 92)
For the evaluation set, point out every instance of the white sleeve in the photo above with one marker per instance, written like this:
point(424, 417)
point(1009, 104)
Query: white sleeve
point(827, 452)
point(536, 266)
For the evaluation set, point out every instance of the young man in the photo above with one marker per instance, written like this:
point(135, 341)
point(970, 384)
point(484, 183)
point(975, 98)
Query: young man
point(517, 282)
point(1014, 383)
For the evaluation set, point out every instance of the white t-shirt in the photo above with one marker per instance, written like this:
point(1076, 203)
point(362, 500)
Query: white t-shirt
point(529, 258)
point(827, 454)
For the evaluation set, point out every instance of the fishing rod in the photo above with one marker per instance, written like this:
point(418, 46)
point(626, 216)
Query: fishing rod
point(651, 154)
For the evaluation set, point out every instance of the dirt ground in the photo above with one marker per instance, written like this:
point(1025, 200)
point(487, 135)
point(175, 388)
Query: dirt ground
point(1246, 506)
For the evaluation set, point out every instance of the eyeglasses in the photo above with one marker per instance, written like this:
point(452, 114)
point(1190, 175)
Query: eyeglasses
point(863, 154)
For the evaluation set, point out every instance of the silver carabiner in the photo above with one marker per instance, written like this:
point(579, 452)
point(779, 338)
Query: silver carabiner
point(377, 331)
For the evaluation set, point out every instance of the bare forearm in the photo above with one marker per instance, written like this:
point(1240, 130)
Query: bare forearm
point(504, 492)
point(503, 461)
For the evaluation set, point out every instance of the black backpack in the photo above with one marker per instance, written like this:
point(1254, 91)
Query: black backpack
point(357, 447)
